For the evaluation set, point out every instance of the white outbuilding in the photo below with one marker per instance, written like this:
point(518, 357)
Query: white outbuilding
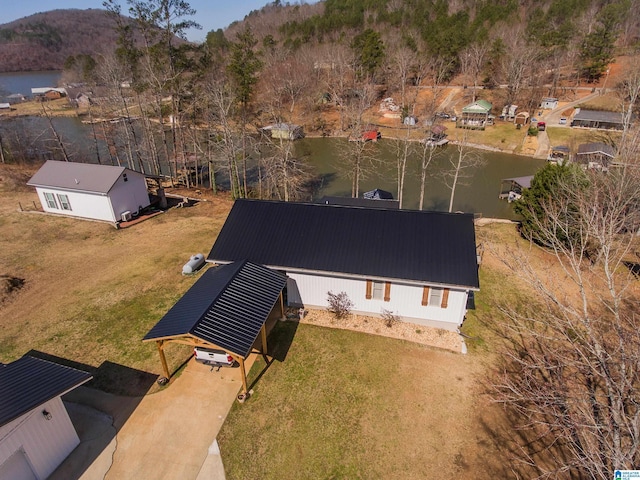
point(98, 192)
point(36, 434)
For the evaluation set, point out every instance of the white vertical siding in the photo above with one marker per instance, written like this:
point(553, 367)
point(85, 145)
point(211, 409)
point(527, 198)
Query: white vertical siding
point(85, 205)
point(46, 443)
point(404, 300)
point(129, 195)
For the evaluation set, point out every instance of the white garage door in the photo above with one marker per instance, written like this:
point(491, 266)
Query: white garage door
point(16, 467)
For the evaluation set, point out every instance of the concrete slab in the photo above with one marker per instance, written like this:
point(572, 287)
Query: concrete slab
point(166, 435)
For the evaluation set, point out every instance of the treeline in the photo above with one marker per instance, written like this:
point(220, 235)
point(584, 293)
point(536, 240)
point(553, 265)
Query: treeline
point(195, 112)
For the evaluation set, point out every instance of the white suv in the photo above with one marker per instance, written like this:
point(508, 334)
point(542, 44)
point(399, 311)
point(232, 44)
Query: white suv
point(213, 357)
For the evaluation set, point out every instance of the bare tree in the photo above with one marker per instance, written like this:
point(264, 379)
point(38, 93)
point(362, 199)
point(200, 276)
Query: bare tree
point(461, 164)
point(571, 349)
point(359, 159)
point(472, 61)
point(628, 92)
point(427, 153)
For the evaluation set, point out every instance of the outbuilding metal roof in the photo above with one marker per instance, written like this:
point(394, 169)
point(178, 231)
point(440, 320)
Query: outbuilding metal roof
point(85, 177)
point(226, 307)
point(596, 148)
point(524, 182)
point(29, 382)
point(425, 247)
point(598, 116)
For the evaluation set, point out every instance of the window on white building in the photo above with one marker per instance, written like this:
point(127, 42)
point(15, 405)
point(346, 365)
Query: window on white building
point(435, 297)
point(51, 200)
point(64, 202)
point(378, 290)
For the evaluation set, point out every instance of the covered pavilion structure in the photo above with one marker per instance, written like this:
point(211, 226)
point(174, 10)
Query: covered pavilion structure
point(227, 309)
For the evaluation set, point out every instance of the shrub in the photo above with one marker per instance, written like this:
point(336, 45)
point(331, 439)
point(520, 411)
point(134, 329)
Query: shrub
point(389, 318)
point(533, 131)
point(339, 304)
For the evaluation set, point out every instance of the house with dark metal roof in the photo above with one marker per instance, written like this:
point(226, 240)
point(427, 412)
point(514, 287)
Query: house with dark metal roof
point(36, 434)
point(596, 155)
point(225, 309)
point(419, 265)
point(97, 192)
point(598, 119)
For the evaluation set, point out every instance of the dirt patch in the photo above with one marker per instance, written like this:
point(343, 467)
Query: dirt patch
point(10, 287)
point(434, 337)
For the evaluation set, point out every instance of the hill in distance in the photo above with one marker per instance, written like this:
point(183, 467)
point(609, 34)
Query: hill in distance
point(44, 41)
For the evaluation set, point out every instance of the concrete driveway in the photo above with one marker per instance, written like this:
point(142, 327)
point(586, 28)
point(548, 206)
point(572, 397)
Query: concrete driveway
point(167, 435)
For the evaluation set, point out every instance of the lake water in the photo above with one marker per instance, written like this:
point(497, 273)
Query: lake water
point(23, 82)
point(476, 194)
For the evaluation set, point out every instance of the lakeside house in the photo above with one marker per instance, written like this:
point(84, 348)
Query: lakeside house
point(284, 131)
point(597, 155)
point(96, 192)
point(476, 115)
point(421, 266)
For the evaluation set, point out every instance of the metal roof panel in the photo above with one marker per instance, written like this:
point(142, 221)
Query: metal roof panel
point(29, 382)
point(429, 247)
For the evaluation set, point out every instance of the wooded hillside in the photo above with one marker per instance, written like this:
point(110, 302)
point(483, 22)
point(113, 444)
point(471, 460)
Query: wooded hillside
point(45, 40)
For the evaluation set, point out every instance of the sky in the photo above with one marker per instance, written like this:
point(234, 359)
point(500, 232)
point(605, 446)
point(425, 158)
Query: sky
point(210, 14)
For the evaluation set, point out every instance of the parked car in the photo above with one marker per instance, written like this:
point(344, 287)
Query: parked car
point(213, 357)
point(563, 120)
point(442, 115)
point(542, 126)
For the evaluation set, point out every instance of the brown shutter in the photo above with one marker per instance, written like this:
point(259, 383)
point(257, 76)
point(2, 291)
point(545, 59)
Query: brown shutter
point(445, 298)
point(369, 288)
point(425, 295)
point(387, 291)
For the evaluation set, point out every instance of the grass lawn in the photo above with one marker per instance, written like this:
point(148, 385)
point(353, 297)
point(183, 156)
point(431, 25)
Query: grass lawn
point(574, 137)
point(92, 292)
point(343, 404)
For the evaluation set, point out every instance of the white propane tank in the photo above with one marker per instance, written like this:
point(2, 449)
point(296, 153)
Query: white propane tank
point(193, 264)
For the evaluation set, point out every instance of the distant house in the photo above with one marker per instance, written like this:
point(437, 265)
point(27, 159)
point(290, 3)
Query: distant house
point(285, 131)
point(369, 133)
point(521, 118)
point(98, 192)
point(422, 266)
point(15, 98)
point(5, 106)
point(549, 103)
point(48, 93)
point(598, 119)
point(509, 112)
point(476, 115)
point(512, 188)
point(596, 155)
point(559, 154)
point(36, 434)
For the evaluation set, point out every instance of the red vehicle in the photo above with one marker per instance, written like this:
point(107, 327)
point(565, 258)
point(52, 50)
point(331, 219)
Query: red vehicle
point(541, 126)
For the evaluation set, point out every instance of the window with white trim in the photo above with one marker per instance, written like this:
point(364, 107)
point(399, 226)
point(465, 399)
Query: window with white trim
point(377, 290)
point(435, 297)
point(51, 200)
point(64, 202)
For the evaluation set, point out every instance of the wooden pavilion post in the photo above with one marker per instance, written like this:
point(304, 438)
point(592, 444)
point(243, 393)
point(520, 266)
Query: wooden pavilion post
point(263, 336)
point(243, 372)
point(163, 359)
point(282, 306)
